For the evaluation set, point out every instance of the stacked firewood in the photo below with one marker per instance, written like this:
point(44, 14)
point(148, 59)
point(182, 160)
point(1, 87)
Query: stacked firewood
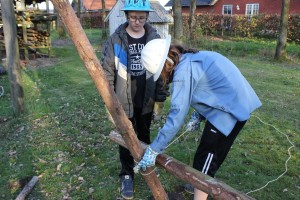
point(37, 33)
point(35, 38)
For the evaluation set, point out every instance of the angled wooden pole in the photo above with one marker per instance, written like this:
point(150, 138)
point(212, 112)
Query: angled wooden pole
point(94, 68)
point(211, 186)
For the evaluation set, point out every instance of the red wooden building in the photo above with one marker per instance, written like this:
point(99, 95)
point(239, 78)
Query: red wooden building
point(240, 7)
point(97, 4)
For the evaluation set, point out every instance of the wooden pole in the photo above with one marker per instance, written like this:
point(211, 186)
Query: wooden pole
point(92, 64)
point(28, 187)
point(25, 38)
point(13, 56)
point(213, 187)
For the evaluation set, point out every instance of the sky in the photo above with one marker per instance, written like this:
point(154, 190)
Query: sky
point(42, 6)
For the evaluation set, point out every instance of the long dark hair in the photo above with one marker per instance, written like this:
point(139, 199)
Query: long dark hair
point(175, 52)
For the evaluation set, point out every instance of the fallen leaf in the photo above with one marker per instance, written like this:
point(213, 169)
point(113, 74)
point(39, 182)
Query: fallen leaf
point(58, 167)
point(91, 190)
point(12, 153)
point(42, 161)
point(80, 178)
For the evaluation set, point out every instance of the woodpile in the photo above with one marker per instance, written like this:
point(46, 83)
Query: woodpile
point(33, 30)
point(35, 38)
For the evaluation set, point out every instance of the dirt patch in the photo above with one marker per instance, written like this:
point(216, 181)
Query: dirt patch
point(44, 61)
point(38, 63)
point(61, 42)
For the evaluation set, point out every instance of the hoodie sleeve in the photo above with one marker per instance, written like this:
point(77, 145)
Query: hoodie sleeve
point(181, 94)
point(108, 61)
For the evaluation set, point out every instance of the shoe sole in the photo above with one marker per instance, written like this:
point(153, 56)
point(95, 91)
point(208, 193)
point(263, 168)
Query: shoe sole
point(124, 197)
point(189, 189)
point(189, 192)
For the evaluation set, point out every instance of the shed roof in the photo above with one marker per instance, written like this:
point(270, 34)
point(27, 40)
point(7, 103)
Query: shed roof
point(97, 4)
point(160, 14)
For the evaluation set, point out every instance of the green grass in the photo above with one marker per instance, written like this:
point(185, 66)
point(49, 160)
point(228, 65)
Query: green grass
point(62, 135)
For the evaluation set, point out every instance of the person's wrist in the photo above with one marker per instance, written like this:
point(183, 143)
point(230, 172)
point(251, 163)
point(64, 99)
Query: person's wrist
point(152, 151)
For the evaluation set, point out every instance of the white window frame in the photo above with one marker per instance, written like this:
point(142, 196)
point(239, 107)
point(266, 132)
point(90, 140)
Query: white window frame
point(252, 9)
point(229, 7)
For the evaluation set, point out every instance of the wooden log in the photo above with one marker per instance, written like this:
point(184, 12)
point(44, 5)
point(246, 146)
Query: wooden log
point(212, 186)
point(27, 189)
point(94, 68)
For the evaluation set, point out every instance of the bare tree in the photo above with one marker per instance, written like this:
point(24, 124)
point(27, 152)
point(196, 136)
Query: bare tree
point(76, 5)
point(192, 19)
point(283, 29)
point(104, 35)
point(12, 56)
point(178, 24)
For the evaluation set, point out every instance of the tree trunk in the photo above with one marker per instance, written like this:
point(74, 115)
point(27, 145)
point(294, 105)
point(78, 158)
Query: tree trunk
point(104, 34)
point(78, 8)
point(178, 25)
point(282, 39)
point(60, 28)
point(110, 99)
point(192, 20)
point(211, 186)
point(12, 56)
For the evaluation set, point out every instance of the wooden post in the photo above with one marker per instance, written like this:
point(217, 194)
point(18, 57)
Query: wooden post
point(92, 64)
point(213, 187)
point(24, 29)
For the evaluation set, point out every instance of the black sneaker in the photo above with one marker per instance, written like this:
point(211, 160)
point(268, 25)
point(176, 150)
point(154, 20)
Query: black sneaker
point(189, 188)
point(127, 187)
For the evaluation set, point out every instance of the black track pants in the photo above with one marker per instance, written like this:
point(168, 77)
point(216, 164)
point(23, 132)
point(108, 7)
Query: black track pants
point(214, 147)
point(141, 124)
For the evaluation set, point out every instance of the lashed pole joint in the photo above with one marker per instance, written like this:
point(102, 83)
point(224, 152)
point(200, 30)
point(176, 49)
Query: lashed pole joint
point(213, 187)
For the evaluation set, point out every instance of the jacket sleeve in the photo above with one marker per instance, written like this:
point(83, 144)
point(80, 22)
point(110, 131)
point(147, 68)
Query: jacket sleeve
point(108, 62)
point(181, 94)
point(161, 91)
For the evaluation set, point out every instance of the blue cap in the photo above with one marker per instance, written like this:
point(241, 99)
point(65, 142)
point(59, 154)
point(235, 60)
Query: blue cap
point(137, 5)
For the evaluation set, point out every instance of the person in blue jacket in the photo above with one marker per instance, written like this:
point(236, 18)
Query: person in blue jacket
point(135, 88)
point(214, 87)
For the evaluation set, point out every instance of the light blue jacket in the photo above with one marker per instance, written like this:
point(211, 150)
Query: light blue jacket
point(212, 85)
